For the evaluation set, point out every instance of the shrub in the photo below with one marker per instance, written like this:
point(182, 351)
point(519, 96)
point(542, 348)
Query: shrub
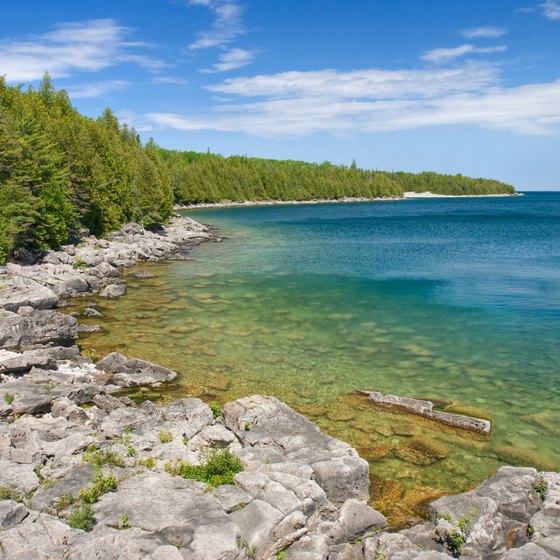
point(220, 466)
point(103, 458)
point(101, 485)
point(82, 518)
point(9, 398)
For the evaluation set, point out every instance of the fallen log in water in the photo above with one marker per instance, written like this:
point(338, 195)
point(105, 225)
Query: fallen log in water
point(426, 409)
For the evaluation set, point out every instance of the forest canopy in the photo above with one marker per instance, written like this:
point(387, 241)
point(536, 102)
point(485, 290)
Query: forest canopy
point(61, 171)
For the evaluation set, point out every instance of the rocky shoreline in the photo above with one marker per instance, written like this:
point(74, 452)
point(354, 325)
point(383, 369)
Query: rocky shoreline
point(85, 473)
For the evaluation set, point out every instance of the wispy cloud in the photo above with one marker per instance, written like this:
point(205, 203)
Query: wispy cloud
point(96, 89)
point(345, 103)
point(439, 56)
point(226, 27)
point(230, 60)
point(170, 80)
point(483, 32)
point(551, 9)
point(87, 46)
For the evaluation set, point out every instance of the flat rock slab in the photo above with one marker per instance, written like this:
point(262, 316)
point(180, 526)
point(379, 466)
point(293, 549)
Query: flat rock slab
point(426, 409)
point(180, 511)
point(21, 291)
point(134, 372)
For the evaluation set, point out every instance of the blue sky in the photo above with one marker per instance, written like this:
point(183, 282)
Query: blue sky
point(454, 86)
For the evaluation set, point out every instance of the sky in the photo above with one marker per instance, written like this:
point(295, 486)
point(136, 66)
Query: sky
point(452, 86)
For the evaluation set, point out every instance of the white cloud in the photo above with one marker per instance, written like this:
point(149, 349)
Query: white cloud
point(170, 80)
point(483, 32)
point(226, 27)
point(369, 101)
point(551, 9)
point(230, 60)
point(444, 55)
point(88, 46)
point(369, 83)
point(96, 89)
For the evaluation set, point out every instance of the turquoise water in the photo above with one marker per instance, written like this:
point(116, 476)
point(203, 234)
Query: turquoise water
point(452, 299)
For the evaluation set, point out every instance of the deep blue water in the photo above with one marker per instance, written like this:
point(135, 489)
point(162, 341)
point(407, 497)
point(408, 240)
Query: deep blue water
point(452, 299)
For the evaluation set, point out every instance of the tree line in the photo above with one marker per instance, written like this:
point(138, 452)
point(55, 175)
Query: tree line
point(205, 178)
point(61, 171)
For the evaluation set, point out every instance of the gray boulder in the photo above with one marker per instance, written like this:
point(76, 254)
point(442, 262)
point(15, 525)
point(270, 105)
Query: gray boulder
point(266, 422)
point(134, 372)
point(11, 514)
point(22, 291)
point(38, 328)
point(113, 291)
point(482, 535)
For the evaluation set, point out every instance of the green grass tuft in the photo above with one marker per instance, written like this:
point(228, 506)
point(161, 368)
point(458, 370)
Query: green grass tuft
point(220, 466)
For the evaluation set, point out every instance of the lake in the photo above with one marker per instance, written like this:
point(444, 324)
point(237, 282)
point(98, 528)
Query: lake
point(456, 300)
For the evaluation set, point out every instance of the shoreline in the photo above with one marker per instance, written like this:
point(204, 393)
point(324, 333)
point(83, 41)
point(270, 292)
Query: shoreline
point(301, 491)
point(344, 200)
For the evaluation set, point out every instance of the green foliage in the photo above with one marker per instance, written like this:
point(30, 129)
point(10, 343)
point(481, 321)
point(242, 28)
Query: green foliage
point(64, 502)
point(9, 398)
point(203, 177)
point(104, 458)
point(82, 518)
point(79, 263)
point(9, 493)
point(100, 485)
point(541, 488)
point(124, 522)
point(165, 436)
point(150, 462)
point(60, 170)
point(250, 551)
point(247, 426)
point(127, 442)
point(219, 467)
point(457, 538)
point(216, 409)
point(282, 555)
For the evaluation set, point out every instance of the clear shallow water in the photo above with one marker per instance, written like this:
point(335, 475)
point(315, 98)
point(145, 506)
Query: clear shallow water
point(452, 299)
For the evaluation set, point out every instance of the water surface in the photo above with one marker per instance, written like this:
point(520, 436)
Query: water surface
point(456, 300)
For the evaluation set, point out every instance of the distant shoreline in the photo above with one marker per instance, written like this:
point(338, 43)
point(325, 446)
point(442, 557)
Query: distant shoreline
point(406, 195)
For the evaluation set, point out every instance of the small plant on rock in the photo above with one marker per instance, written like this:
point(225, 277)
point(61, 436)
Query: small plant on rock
point(150, 462)
point(64, 502)
point(216, 409)
point(101, 485)
point(82, 518)
point(250, 551)
point(9, 493)
point(79, 263)
point(9, 398)
point(220, 466)
point(541, 488)
point(165, 436)
point(124, 522)
point(105, 457)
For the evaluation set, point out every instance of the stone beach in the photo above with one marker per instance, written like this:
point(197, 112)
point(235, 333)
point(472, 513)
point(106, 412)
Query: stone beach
point(70, 441)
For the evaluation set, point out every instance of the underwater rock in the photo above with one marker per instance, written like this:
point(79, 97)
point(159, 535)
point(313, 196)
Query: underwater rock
point(426, 409)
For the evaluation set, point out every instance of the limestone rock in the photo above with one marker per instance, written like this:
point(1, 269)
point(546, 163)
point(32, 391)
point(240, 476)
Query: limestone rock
point(134, 372)
point(23, 291)
point(513, 490)
point(266, 422)
point(113, 291)
point(11, 514)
